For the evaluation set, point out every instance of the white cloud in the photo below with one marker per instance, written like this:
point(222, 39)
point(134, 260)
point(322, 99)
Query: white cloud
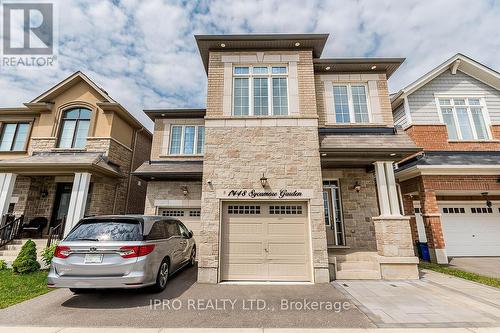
point(144, 54)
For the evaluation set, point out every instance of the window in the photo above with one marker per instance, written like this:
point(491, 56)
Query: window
point(195, 213)
point(244, 210)
point(107, 230)
point(286, 210)
point(464, 118)
point(75, 128)
point(482, 210)
point(351, 103)
point(333, 210)
point(14, 137)
point(172, 212)
point(260, 91)
point(454, 210)
point(187, 140)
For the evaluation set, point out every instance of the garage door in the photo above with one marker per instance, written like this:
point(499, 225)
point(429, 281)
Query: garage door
point(265, 242)
point(469, 229)
point(189, 216)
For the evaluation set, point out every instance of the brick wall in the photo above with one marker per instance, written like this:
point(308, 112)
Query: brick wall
point(137, 188)
point(435, 137)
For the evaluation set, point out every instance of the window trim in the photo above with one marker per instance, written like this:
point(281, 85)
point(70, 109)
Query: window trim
point(352, 115)
point(181, 148)
point(452, 106)
point(28, 135)
point(61, 126)
point(269, 76)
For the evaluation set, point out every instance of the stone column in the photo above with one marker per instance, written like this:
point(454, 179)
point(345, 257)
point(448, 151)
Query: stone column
point(78, 200)
point(7, 182)
point(432, 223)
point(392, 230)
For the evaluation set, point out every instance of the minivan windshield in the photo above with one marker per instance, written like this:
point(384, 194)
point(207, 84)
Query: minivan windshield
point(106, 230)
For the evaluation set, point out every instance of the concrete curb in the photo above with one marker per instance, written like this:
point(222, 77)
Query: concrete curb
point(34, 329)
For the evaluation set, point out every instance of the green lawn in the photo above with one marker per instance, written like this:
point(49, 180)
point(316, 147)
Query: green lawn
point(446, 269)
point(15, 288)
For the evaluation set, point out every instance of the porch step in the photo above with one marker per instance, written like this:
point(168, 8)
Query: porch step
point(351, 255)
point(357, 265)
point(361, 274)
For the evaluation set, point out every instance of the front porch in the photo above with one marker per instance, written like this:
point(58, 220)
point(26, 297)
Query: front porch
point(367, 235)
point(56, 190)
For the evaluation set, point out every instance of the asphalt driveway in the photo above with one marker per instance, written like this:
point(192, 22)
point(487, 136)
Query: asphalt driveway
point(186, 303)
point(487, 266)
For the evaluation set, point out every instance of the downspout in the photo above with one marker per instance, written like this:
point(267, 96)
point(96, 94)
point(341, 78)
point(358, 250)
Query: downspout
point(134, 145)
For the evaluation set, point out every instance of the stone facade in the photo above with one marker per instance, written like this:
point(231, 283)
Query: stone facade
point(231, 164)
point(170, 194)
point(358, 208)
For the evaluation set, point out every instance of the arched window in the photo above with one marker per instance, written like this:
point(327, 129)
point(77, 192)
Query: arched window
point(75, 128)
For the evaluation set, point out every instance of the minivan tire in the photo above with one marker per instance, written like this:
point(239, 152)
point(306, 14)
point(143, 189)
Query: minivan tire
point(162, 276)
point(77, 291)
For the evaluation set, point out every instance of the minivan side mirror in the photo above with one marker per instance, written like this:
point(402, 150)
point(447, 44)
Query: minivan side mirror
point(188, 234)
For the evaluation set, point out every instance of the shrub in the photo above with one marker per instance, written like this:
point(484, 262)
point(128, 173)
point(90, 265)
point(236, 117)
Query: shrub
point(26, 260)
point(3, 265)
point(48, 254)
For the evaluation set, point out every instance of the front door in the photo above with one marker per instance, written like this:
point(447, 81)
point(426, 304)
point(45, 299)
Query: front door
point(61, 204)
point(333, 213)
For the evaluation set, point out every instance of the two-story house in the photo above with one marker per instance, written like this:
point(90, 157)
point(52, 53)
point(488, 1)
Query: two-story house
point(452, 189)
point(287, 175)
point(70, 153)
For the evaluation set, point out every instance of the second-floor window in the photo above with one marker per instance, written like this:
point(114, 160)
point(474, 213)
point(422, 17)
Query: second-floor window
point(187, 140)
point(464, 118)
point(74, 128)
point(350, 103)
point(260, 90)
point(14, 136)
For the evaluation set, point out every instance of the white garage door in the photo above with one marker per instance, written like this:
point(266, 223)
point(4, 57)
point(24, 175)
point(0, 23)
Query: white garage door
point(189, 216)
point(469, 229)
point(265, 242)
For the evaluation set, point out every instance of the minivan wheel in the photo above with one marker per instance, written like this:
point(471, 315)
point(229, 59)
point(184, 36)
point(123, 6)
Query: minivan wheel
point(79, 290)
point(192, 259)
point(162, 277)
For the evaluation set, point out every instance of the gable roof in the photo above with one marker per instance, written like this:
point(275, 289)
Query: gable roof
point(460, 62)
point(68, 83)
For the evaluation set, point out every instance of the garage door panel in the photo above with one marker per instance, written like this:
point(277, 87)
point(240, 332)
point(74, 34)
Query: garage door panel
point(279, 229)
point(466, 231)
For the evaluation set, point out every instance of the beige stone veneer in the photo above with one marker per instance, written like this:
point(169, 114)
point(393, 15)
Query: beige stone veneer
point(289, 157)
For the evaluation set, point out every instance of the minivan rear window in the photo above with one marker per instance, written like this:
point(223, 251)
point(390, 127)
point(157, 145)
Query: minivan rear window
point(106, 230)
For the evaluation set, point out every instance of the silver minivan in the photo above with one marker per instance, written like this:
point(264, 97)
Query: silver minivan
point(122, 251)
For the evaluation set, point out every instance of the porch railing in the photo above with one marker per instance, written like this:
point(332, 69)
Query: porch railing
point(11, 228)
point(55, 233)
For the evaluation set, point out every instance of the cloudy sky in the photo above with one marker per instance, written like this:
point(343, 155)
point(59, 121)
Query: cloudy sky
point(144, 53)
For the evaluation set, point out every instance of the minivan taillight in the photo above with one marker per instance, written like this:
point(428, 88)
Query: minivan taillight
point(62, 252)
point(136, 251)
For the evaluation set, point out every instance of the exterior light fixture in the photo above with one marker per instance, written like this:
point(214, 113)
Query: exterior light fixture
point(357, 187)
point(392, 154)
point(184, 190)
point(44, 193)
point(488, 202)
point(297, 44)
point(323, 154)
point(222, 45)
point(328, 68)
point(263, 181)
point(373, 67)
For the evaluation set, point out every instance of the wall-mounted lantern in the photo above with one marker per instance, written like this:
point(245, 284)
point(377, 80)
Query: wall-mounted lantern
point(185, 190)
point(263, 181)
point(357, 187)
point(44, 193)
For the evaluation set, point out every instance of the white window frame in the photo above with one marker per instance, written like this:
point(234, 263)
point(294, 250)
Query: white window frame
point(452, 106)
point(352, 117)
point(181, 151)
point(269, 77)
point(341, 210)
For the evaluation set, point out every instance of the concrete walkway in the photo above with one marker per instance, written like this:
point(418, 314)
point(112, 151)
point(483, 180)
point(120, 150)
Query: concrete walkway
point(436, 300)
point(241, 330)
point(487, 266)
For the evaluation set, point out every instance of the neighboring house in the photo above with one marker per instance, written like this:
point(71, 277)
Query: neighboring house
point(452, 189)
point(69, 153)
point(288, 173)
